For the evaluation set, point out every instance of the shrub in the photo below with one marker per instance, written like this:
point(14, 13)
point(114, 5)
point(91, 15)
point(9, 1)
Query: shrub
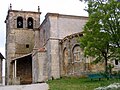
point(114, 86)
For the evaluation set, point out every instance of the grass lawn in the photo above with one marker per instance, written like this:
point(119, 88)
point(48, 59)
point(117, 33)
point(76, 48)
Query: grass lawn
point(72, 83)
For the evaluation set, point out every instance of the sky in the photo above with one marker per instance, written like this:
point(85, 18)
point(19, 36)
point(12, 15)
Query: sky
point(69, 7)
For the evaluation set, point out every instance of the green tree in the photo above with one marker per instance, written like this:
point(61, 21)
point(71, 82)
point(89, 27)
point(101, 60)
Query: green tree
point(101, 35)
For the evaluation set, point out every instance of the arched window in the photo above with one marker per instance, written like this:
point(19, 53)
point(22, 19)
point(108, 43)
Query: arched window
point(78, 60)
point(116, 62)
point(19, 22)
point(76, 53)
point(30, 23)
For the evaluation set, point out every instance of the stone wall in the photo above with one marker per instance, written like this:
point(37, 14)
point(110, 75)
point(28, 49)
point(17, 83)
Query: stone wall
point(69, 25)
point(43, 74)
point(11, 18)
point(73, 61)
point(39, 66)
point(19, 41)
point(54, 28)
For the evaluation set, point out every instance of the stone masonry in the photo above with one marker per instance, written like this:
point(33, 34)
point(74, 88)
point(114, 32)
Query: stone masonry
point(19, 39)
point(49, 50)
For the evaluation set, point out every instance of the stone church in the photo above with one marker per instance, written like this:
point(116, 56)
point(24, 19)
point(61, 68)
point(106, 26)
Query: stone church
point(38, 52)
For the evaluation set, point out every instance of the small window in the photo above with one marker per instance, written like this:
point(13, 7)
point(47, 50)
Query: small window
point(27, 45)
point(19, 22)
point(30, 23)
point(116, 62)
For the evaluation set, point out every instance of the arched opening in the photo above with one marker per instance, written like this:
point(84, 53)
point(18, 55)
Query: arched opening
point(65, 61)
point(19, 22)
point(76, 53)
point(30, 23)
point(78, 60)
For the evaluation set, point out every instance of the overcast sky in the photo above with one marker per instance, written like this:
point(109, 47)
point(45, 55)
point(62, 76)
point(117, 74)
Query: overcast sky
point(69, 7)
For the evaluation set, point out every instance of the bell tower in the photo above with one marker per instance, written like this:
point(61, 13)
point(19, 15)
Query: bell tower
point(20, 38)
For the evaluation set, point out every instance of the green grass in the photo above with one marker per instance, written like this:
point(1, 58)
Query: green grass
point(73, 83)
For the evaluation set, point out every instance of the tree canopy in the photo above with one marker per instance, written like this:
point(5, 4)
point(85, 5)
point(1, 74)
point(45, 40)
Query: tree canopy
point(101, 38)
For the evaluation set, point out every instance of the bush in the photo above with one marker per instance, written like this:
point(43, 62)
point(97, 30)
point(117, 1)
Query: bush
point(114, 86)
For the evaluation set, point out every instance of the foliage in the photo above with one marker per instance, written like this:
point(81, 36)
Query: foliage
point(97, 0)
point(114, 86)
point(110, 67)
point(101, 35)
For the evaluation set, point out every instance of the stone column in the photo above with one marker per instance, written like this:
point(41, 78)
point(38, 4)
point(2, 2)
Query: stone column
point(54, 58)
point(37, 38)
point(15, 69)
point(69, 58)
point(35, 59)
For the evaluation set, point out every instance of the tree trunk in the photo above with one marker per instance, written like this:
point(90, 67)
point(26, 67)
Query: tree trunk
point(104, 54)
point(106, 69)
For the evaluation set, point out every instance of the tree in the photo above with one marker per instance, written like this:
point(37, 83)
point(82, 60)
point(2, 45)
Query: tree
point(101, 35)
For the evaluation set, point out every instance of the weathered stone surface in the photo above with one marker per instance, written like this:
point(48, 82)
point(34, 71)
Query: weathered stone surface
point(39, 71)
point(54, 28)
point(53, 47)
point(19, 41)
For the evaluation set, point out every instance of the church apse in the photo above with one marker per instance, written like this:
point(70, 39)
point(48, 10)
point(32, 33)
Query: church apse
point(73, 61)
